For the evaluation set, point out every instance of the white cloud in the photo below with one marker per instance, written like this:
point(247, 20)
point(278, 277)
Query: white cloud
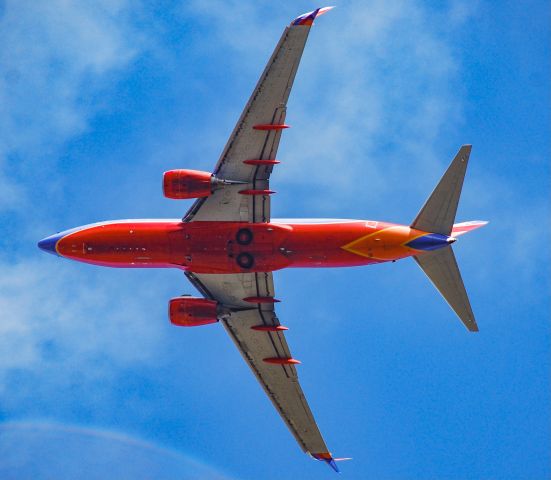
point(53, 324)
point(42, 450)
point(372, 100)
point(235, 22)
point(377, 87)
point(54, 55)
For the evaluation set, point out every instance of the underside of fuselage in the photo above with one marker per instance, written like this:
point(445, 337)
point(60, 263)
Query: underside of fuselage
point(234, 247)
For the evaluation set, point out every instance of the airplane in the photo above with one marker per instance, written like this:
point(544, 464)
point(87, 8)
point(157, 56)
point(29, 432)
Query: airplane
point(228, 245)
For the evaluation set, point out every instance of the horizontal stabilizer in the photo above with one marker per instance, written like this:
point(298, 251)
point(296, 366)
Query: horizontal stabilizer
point(438, 213)
point(441, 268)
point(465, 227)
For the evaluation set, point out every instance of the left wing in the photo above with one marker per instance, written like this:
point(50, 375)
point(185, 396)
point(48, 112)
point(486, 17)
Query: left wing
point(260, 338)
point(250, 153)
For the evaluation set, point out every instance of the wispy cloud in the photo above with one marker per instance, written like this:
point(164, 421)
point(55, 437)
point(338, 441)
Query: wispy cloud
point(71, 451)
point(51, 324)
point(369, 96)
point(377, 98)
point(55, 57)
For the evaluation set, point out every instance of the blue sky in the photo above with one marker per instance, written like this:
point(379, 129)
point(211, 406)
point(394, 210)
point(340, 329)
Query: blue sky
point(98, 100)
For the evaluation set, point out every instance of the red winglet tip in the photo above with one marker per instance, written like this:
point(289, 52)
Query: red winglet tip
point(308, 18)
point(327, 458)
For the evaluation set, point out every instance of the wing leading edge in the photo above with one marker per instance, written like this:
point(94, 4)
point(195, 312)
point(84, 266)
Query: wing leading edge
point(248, 159)
point(252, 147)
point(259, 336)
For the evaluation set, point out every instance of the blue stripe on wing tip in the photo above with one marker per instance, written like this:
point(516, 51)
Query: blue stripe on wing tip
point(309, 17)
point(331, 462)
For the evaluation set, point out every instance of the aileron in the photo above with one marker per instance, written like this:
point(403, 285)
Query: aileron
point(279, 380)
point(256, 137)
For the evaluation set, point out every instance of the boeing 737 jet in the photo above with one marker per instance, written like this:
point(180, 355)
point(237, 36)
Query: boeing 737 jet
point(228, 245)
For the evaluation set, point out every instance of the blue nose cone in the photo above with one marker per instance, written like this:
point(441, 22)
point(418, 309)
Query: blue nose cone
point(48, 244)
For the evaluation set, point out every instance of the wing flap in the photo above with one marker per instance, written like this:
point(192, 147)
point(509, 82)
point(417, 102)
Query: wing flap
point(266, 106)
point(280, 382)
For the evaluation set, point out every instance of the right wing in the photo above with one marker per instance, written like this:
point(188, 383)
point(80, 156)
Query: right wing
point(254, 330)
point(254, 137)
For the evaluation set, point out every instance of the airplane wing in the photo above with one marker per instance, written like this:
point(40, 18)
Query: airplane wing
point(250, 152)
point(260, 338)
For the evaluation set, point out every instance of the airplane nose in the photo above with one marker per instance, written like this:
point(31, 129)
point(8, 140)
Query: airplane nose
point(48, 244)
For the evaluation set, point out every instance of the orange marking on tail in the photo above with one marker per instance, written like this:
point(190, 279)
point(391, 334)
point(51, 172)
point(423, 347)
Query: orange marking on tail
point(385, 244)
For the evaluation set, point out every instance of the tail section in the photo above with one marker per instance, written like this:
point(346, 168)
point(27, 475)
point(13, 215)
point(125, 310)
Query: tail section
point(441, 268)
point(438, 216)
point(438, 213)
point(465, 227)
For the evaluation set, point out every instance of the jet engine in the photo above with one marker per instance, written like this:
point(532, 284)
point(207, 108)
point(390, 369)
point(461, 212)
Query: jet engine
point(180, 184)
point(192, 311)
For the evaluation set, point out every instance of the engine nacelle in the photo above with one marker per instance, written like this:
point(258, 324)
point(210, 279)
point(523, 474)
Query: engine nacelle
point(181, 184)
point(192, 312)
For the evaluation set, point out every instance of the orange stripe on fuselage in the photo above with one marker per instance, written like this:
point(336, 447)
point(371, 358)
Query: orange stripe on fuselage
point(385, 244)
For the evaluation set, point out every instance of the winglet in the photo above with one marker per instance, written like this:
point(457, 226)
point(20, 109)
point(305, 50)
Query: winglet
point(331, 462)
point(327, 458)
point(308, 18)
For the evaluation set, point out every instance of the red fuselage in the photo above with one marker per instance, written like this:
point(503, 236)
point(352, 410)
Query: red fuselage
point(221, 247)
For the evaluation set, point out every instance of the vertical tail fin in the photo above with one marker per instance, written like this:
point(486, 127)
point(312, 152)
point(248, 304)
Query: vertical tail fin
point(438, 213)
point(438, 216)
